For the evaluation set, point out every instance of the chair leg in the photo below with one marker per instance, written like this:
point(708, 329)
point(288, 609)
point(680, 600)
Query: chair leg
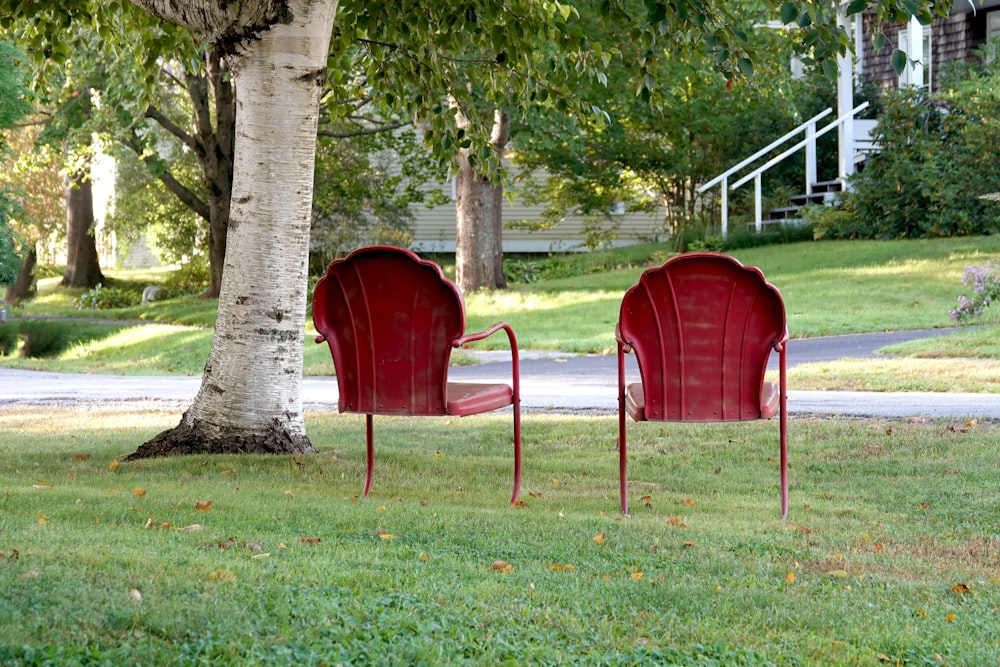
point(517, 452)
point(622, 458)
point(370, 457)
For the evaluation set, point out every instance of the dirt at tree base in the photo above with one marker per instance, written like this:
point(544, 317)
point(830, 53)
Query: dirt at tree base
point(190, 439)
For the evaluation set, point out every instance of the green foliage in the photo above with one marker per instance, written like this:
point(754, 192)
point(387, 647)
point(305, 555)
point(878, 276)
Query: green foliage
point(938, 159)
point(8, 338)
point(10, 246)
point(103, 298)
point(50, 337)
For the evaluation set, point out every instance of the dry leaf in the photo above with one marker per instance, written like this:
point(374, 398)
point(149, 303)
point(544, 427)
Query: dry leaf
point(82, 457)
point(288, 492)
point(689, 545)
point(950, 618)
point(113, 465)
point(138, 492)
point(559, 568)
point(923, 506)
point(386, 536)
point(688, 501)
point(884, 658)
point(790, 578)
point(264, 555)
point(502, 566)
point(41, 518)
point(674, 521)
point(555, 482)
point(193, 528)
point(222, 575)
point(203, 505)
point(149, 523)
point(636, 575)
point(520, 504)
point(134, 595)
point(960, 588)
point(599, 538)
point(647, 499)
point(535, 494)
point(41, 487)
point(309, 540)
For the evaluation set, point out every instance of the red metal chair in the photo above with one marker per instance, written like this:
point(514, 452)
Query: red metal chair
point(391, 320)
point(702, 327)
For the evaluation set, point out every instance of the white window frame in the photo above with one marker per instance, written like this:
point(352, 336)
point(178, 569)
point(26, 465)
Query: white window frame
point(918, 71)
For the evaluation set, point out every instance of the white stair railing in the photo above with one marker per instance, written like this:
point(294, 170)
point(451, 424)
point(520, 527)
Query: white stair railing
point(809, 143)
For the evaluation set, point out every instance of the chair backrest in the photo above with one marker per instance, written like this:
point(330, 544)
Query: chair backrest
point(390, 319)
point(702, 326)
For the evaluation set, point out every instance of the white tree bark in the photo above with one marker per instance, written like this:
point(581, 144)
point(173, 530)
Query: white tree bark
point(250, 396)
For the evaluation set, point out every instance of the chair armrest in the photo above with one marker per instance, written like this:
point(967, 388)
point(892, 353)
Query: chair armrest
point(514, 356)
point(623, 344)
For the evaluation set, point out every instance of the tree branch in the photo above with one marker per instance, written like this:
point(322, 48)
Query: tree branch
point(175, 187)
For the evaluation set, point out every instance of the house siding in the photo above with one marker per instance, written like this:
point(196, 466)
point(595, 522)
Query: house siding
point(952, 38)
point(434, 228)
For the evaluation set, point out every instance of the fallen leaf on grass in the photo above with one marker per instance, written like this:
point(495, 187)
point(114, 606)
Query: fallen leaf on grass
point(41, 487)
point(288, 492)
point(309, 540)
point(203, 505)
point(950, 618)
point(960, 589)
point(599, 538)
point(134, 595)
point(138, 492)
point(193, 528)
point(636, 575)
point(674, 521)
point(923, 506)
point(222, 575)
point(41, 518)
point(689, 545)
point(113, 465)
point(535, 494)
point(790, 578)
point(687, 501)
point(386, 536)
point(560, 568)
point(82, 457)
point(520, 504)
point(502, 566)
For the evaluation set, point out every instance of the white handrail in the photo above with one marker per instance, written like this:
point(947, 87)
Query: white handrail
point(767, 149)
point(775, 160)
point(809, 127)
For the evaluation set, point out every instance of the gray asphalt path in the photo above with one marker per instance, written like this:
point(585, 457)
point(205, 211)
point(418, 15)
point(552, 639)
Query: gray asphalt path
point(549, 382)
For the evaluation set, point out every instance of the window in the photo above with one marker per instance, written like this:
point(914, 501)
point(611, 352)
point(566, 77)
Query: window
point(918, 71)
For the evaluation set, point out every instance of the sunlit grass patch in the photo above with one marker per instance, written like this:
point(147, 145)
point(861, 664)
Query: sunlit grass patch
point(902, 374)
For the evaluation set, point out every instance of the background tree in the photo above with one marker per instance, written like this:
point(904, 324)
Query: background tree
point(13, 107)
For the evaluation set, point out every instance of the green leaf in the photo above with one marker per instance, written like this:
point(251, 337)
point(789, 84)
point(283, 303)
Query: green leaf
point(899, 61)
point(856, 6)
point(789, 12)
point(878, 40)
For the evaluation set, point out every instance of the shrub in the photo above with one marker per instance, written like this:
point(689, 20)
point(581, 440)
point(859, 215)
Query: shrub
point(102, 298)
point(8, 338)
point(985, 284)
point(43, 338)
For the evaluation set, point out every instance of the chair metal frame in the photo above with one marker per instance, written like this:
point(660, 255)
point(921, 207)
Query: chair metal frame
point(702, 327)
point(391, 320)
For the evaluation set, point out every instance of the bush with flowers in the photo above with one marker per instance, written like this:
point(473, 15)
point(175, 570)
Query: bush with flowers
point(985, 284)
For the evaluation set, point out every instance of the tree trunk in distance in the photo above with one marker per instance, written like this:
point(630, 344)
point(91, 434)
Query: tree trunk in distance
point(83, 267)
point(25, 277)
point(250, 395)
point(479, 218)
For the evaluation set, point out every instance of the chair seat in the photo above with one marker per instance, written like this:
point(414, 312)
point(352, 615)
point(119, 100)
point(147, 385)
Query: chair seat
point(635, 401)
point(472, 398)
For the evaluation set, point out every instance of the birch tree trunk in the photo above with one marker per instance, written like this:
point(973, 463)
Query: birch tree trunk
point(250, 395)
point(479, 218)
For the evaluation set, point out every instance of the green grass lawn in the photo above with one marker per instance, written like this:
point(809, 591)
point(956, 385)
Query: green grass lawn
point(890, 554)
point(830, 287)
